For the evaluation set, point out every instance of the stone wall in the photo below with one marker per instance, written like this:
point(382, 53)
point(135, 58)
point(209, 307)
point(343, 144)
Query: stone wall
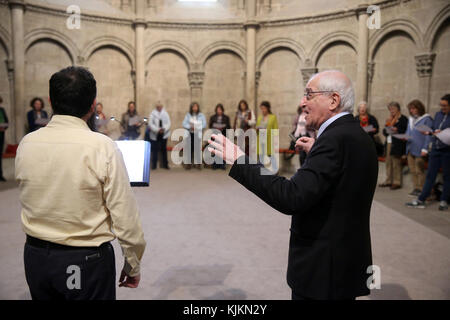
point(203, 56)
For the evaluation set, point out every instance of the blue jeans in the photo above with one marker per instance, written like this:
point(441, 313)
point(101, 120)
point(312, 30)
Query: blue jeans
point(438, 159)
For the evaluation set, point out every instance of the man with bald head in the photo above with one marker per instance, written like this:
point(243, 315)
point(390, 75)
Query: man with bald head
point(329, 197)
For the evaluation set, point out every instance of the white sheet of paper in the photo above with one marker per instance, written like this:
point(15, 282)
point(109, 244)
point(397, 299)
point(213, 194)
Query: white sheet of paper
point(444, 136)
point(101, 122)
point(422, 127)
point(401, 136)
point(134, 122)
point(42, 121)
point(389, 131)
point(368, 128)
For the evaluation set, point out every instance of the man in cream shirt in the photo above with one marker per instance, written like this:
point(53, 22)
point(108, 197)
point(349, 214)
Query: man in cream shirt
point(76, 198)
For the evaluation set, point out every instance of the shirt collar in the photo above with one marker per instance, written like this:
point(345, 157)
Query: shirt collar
point(330, 121)
point(67, 121)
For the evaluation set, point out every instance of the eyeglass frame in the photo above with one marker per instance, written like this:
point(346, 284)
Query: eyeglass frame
point(311, 92)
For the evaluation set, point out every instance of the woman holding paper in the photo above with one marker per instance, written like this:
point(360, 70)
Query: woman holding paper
point(395, 147)
point(221, 122)
point(439, 157)
point(131, 123)
point(37, 118)
point(195, 122)
point(370, 124)
point(417, 144)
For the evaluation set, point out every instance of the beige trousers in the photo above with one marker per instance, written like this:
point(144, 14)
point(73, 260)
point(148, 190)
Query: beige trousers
point(393, 167)
point(417, 169)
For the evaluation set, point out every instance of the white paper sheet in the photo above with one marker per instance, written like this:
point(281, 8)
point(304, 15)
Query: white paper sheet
point(444, 136)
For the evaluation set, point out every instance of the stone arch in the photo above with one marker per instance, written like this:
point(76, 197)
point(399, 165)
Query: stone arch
point(62, 40)
point(171, 46)
point(112, 42)
point(334, 37)
point(5, 41)
point(276, 44)
point(230, 46)
point(405, 26)
point(434, 27)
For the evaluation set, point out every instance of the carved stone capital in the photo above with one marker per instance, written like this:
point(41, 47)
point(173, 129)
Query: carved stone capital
point(196, 79)
point(307, 74)
point(17, 3)
point(139, 22)
point(424, 64)
point(251, 24)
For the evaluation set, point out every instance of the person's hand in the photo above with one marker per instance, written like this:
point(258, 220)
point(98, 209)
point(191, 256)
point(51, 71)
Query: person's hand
point(436, 131)
point(305, 143)
point(221, 146)
point(423, 154)
point(161, 130)
point(129, 282)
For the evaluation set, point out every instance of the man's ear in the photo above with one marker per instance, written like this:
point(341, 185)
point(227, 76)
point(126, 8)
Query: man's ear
point(94, 104)
point(335, 101)
point(49, 101)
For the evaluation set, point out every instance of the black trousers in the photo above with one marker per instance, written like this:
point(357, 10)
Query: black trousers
point(159, 145)
point(57, 272)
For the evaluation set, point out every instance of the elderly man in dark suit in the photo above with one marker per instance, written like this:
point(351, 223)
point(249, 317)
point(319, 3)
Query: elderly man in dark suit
point(329, 198)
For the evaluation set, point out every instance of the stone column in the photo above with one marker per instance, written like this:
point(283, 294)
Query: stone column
point(370, 73)
point(17, 9)
point(424, 65)
point(139, 25)
point(196, 83)
point(363, 54)
point(251, 26)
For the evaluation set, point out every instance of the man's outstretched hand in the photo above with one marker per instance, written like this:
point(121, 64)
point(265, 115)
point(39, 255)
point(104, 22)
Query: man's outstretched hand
point(129, 282)
point(219, 145)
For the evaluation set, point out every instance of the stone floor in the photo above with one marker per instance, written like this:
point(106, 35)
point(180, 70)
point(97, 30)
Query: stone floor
point(209, 238)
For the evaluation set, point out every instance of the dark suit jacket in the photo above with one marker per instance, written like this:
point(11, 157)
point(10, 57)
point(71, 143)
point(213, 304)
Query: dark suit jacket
point(329, 199)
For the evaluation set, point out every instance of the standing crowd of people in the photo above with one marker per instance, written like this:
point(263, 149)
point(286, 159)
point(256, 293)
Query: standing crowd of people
point(409, 141)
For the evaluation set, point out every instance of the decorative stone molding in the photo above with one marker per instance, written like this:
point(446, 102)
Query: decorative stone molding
point(370, 71)
point(133, 77)
point(424, 64)
point(196, 79)
point(10, 68)
point(307, 74)
point(257, 78)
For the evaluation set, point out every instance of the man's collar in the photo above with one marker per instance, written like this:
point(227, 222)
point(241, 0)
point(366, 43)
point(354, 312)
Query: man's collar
point(330, 121)
point(67, 121)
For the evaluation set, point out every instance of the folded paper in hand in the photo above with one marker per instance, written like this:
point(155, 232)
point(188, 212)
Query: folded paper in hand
point(444, 136)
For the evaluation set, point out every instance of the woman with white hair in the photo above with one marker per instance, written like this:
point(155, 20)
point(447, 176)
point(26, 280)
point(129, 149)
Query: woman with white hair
point(369, 123)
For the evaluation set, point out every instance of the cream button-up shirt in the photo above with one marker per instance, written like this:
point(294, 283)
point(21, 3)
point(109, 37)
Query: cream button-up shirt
point(74, 189)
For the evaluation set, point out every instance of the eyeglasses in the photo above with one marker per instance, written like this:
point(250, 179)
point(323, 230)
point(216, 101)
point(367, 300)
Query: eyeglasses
point(309, 94)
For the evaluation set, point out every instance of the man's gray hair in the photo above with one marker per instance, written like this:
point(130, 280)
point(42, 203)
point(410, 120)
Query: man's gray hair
point(337, 81)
